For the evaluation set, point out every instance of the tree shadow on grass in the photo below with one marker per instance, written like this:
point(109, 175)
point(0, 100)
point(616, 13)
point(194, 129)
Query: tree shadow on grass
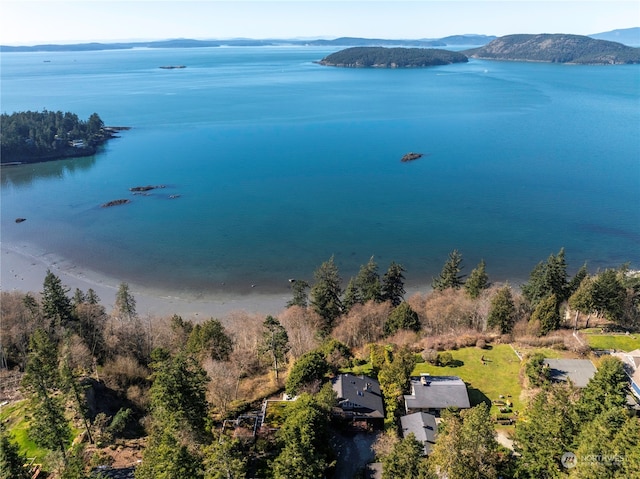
point(476, 396)
point(455, 363)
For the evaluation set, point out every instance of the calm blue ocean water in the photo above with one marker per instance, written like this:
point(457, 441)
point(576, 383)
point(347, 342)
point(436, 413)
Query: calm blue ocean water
point(281, 163)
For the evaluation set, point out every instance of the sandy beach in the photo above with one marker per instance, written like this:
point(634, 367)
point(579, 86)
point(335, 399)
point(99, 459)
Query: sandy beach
point(23, 268)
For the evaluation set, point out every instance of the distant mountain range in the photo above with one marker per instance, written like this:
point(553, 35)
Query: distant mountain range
point(242, 42)
point(628, 36)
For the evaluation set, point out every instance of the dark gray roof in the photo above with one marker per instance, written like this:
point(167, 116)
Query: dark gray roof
point(423, 426)
point(437, 392)
point(360, 394)
point(579, 371)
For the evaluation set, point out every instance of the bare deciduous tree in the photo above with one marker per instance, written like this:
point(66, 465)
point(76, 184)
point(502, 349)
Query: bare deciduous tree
point(302, 325)
point(363, 324)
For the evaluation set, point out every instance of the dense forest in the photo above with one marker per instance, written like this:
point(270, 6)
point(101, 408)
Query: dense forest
point(36, 136)
point(181, 396)
point(557, 48)
point(382, 57)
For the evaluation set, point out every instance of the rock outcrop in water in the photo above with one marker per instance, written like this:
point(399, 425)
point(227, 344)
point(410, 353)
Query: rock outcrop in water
point(145, 188)
point(115, 203)
point(411, 156)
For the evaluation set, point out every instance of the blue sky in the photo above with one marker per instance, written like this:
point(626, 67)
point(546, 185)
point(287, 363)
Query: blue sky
point(27, 22)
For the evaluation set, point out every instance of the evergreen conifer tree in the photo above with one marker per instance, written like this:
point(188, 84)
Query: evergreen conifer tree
point(326, 292)
point(478, 280)
point(393, 284)
point(450, 276)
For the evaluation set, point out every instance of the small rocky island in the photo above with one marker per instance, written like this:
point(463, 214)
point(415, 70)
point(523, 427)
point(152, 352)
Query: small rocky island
point(115, 203)
point(411, 156)
point(381, 57)
point(138, 189)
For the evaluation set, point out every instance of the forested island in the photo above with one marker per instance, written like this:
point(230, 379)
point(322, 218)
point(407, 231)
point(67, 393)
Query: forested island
point(381, 57)
point(554, 48)
point(557, 48)
point(32, 136)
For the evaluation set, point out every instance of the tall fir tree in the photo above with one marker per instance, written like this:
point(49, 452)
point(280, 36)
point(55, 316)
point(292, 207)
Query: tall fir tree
point(547, 278)
point(607, 389)
point(300, 298)
point(405, 460)
point(502, 311)
point(178, 394)
point(450, 276)
point(368, 282)
point(466, 447)
point(125, 306)
point(56, 305)
point(304, 436)
point(548, 314)
point(351, 295)
point(48, 428)
point(393, 284)
point(225, 459)
point(478, 280)
point(547, 431)
point(325, 294)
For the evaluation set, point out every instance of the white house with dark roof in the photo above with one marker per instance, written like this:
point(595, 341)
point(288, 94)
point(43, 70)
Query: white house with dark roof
point(578, 371)
point(432, 394)
point(359, 398)
point(424, 428)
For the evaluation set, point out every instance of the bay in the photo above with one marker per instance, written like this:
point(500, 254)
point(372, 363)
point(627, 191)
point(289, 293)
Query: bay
point(280, 163)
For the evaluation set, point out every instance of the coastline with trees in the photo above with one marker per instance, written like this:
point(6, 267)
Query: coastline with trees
point(33, 136)
point(184, 386)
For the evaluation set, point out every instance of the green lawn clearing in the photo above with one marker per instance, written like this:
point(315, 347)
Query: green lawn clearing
point(14, 415)
point(498, 376)
point(620, 342)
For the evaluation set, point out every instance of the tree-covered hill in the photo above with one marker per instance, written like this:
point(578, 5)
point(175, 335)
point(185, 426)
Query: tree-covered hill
point(557, 48)
point(381, 57)
point(30, 136)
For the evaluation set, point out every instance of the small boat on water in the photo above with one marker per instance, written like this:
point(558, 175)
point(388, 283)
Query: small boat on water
point(171, 67)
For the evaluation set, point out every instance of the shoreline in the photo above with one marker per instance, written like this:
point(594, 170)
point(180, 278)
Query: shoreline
point(23, 268)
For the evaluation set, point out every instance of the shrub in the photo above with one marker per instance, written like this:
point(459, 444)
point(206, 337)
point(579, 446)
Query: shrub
point(430, 356)
point(444, 359)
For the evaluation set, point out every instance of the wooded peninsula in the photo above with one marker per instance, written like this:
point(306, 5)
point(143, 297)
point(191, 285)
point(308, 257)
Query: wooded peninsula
point(32, 136)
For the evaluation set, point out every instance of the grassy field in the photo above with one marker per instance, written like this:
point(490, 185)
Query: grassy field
point(13, 415)
point(621, 342)
point(498, 376)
